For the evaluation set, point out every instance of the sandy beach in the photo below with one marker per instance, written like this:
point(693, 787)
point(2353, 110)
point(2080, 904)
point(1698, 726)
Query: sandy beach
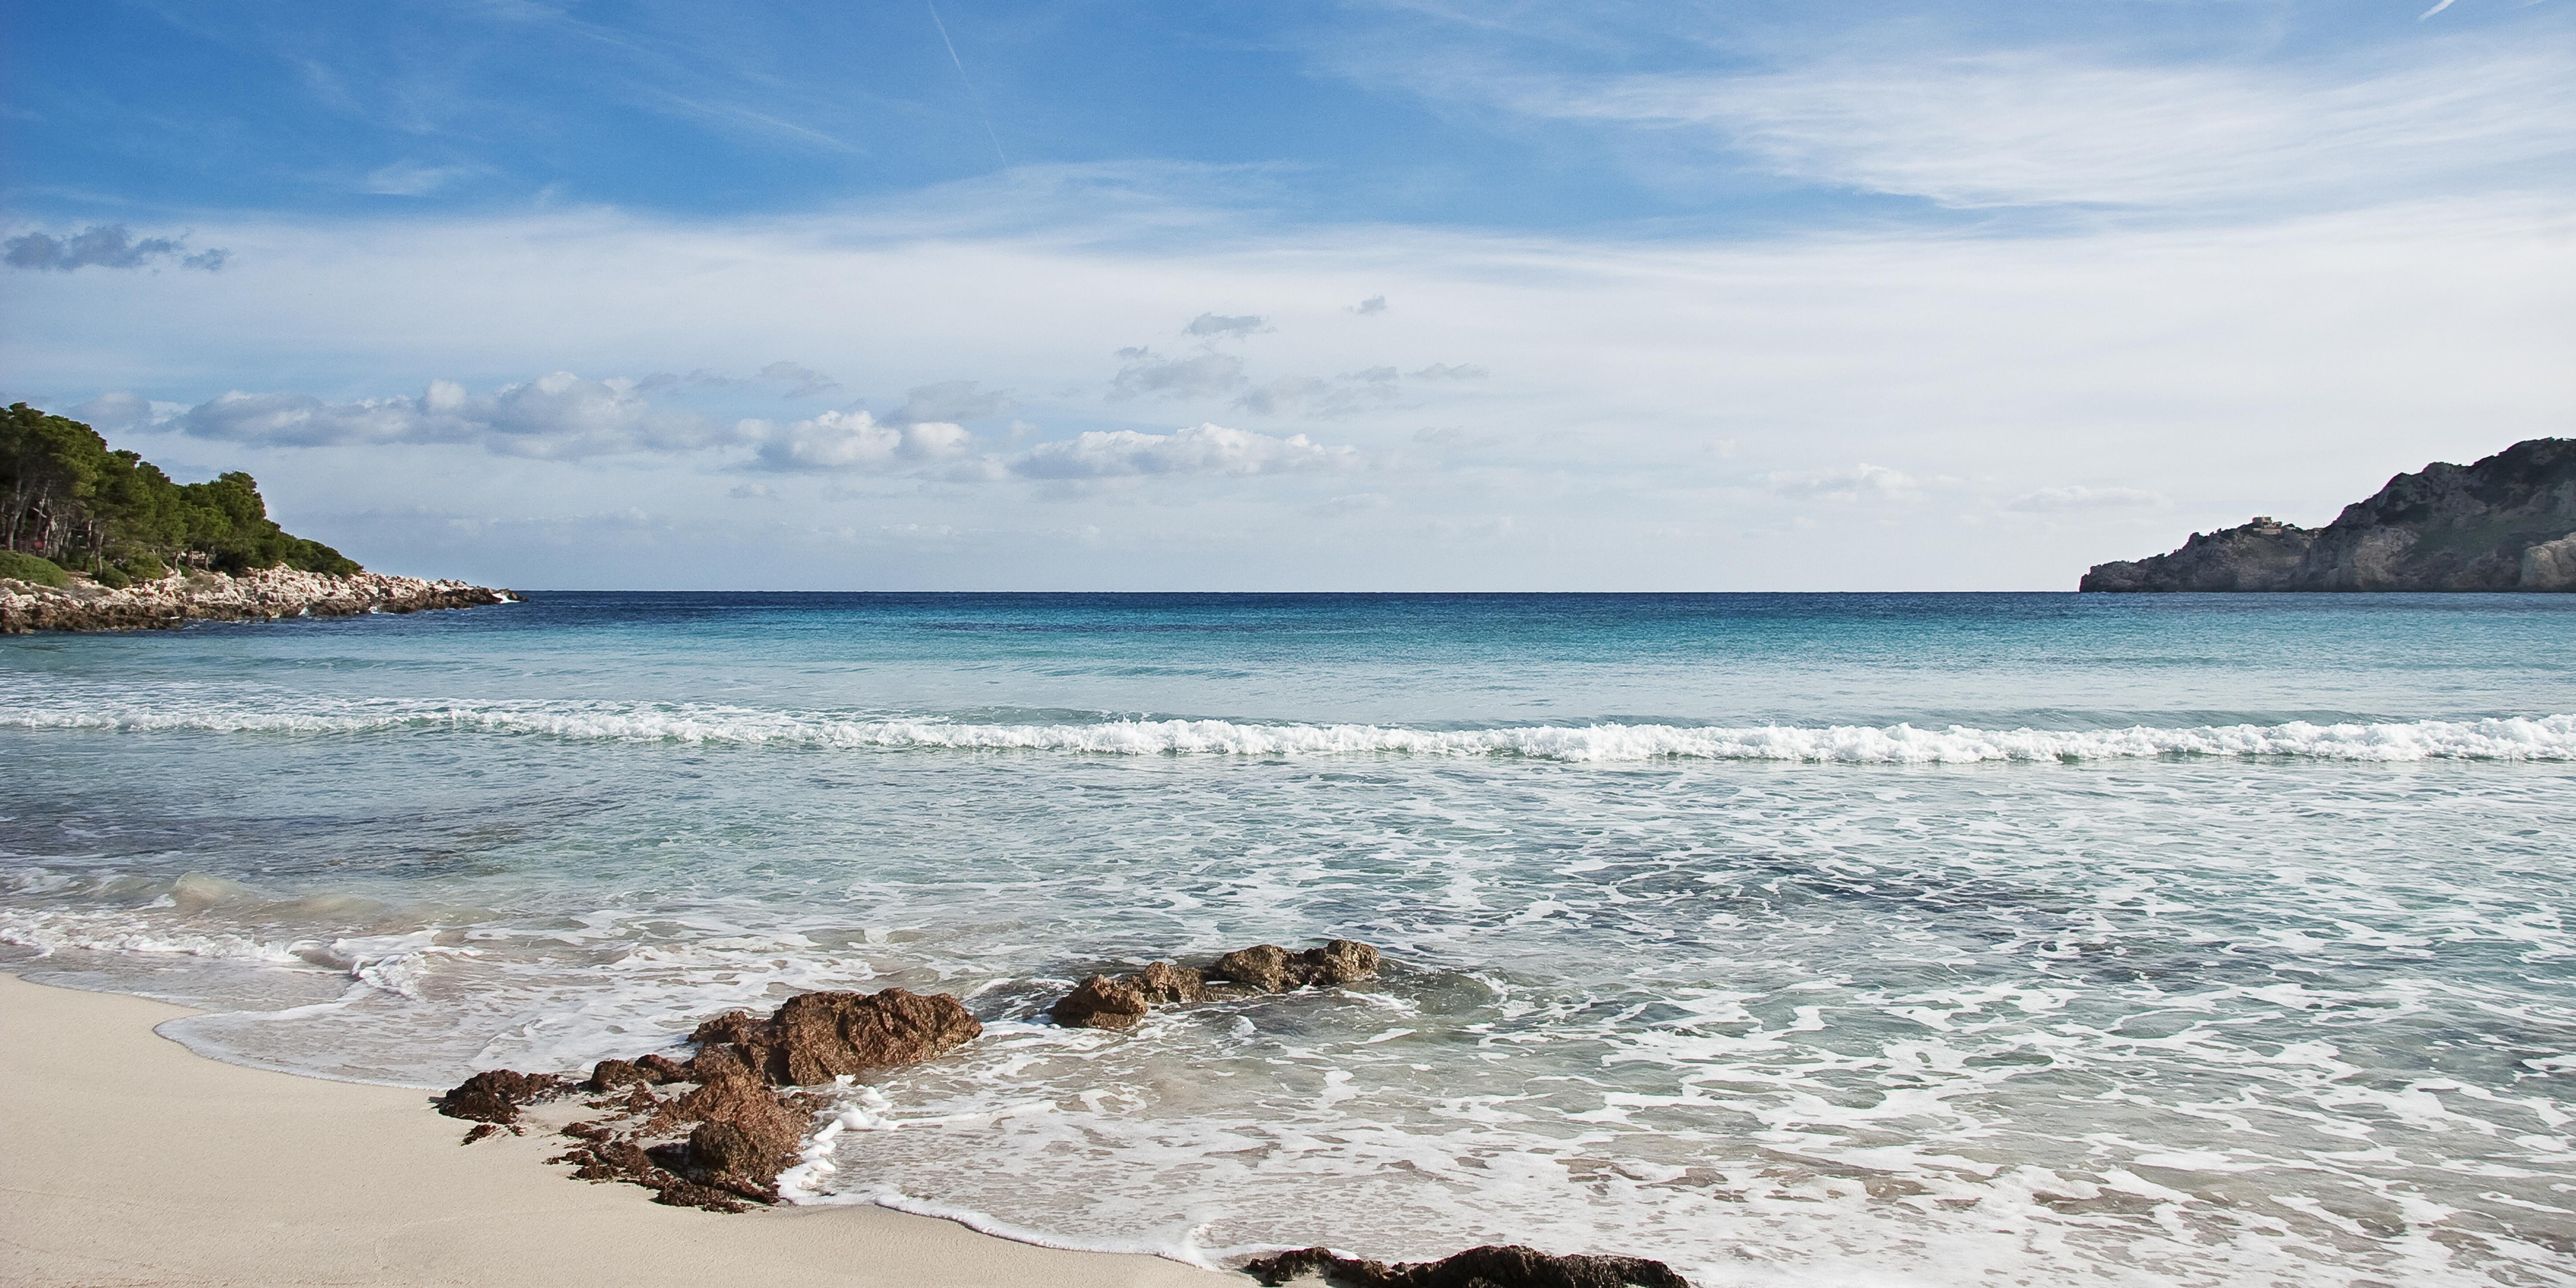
point(130, 1161)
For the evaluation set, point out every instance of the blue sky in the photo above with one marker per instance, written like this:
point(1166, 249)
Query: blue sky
point(1099, 295)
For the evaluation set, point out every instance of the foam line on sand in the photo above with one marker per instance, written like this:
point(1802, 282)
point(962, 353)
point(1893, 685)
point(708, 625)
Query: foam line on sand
point(128, 1161)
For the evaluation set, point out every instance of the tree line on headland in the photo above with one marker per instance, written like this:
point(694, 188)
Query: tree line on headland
point(70, 502)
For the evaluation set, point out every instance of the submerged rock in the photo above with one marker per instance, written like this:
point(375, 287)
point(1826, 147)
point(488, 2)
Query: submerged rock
point(1101, 1002)
point(1492, 1266)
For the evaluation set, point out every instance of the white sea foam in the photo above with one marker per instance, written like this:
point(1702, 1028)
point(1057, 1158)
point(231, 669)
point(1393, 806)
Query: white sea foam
point(2547, 738)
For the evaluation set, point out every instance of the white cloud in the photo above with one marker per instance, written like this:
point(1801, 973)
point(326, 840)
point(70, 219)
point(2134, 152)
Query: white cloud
point(1209, 326)
point(853, 440)
point(1202, 450)
point(2050, 499)
point(2316, 355)
point(2047, 127)
point(1844, 484)
point(115, 413)
point(561, 416)
point(1371, 305)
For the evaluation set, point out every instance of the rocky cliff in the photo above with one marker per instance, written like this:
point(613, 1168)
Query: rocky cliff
point(2507, 522)
point(265, 595)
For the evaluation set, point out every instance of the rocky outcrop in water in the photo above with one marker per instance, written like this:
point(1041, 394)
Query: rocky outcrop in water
point(1507, 1266)
point(1102, 1002)
point(722, 1142)
point(263, 596)
point(817, 1037)
point(2507, 522)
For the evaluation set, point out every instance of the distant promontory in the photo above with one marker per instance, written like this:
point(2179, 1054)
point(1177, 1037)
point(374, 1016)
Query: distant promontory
point(93, 538)
point(2507, 522)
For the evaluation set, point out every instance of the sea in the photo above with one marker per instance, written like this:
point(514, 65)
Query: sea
point(1814, 940)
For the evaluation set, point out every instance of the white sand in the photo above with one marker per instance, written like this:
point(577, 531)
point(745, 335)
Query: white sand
point(127, 1160)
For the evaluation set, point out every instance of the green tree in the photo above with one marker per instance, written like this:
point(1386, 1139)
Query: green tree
point(66, 496)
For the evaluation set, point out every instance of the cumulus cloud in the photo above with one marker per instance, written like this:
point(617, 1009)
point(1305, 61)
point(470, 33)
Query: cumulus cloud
point(2052, 499)
point(1373, 304)
point(559, 417)
point(1209, 326)
point(841, 441)
point(804, 381)
point(1202, 450)
point(104, 246)
point(1844, 485)
point(1148, 374)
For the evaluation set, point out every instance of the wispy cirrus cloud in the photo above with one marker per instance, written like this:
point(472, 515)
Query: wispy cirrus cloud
point(556, 417)
point(1201, 451)
point(2035, 127)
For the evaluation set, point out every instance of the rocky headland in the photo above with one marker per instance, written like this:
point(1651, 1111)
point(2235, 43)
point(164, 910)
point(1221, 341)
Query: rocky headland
point(264, 595)
point(718, 1129)
point(2507, 522)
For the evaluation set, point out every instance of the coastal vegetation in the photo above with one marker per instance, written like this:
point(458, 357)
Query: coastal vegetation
point(70, 502)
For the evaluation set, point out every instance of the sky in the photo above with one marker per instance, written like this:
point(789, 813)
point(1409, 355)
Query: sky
point(1090, 295)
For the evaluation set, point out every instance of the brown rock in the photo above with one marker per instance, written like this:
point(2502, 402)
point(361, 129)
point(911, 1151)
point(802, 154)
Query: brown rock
point(662, 1068)
point(1165, 982)
point(736, 1027)
point(744, 1137)
point(816, 1037)
point(745, 1159)
point(824, 1035)
point(1339, 962)
point(609, 1075)
point(496, 1095)
point(1509, 1266)
point(1100, 1003)
point(1262, 966)
point(1273, 969)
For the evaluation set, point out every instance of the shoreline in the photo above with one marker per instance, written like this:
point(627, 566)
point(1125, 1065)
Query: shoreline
point(133, 1161)
point(264, 595)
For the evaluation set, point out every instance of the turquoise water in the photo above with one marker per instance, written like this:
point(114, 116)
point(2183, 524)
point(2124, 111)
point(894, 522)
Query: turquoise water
point(1840, 939)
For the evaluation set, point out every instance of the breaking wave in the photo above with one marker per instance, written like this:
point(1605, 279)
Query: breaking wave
point(2548, 738)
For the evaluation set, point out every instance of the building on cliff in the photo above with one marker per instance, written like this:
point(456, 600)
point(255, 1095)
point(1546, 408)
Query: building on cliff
point(2507, 522)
